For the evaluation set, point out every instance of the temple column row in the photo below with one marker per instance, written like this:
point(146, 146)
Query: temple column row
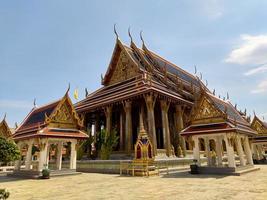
point(165, 126)
point(179, 128)
point(128, 126)
point(150, 104)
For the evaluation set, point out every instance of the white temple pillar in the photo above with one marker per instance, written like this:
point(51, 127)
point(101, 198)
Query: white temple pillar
point(43, 154)
point(240, 151)
point(207, 150)
point(73, 154)
point(28, 160)
point(196, 149)
point(230, 153)
point(254, 152)
point(219, 151)
point(260, 150)
point(248, 151)
point(18, 162)
point(47, 154)
point(59, 155)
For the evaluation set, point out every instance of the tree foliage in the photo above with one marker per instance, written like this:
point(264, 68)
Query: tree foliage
point(107, 141)
point(8, 151)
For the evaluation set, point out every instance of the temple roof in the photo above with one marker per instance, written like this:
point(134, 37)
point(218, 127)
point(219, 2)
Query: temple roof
point(5, 131)
point(214, 115)
point(259, 125)
point(55, 119)
point(147, 72)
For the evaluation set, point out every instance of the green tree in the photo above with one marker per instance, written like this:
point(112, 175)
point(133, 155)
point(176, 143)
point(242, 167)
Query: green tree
point(8, 151)
point(107, 142)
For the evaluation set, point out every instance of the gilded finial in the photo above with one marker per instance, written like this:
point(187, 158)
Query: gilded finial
point(245, 112)
point(195, 69)
point(213, 92)
point(235, 106)
point(16, 125)
point(227, 95)
point(254, 112)
point(4, 117)
point(68, 89)
point(115, 31)
point(141, 37)
point(86, 92)
point(129, 33)
point(34, 102)
point(102, 79)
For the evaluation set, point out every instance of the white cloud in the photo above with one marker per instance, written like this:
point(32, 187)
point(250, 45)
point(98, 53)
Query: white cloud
point(17, 104)
point(257, 70)
point(261, 87)
point(252, 51)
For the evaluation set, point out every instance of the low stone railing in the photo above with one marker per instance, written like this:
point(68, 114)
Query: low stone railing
point(5, 169)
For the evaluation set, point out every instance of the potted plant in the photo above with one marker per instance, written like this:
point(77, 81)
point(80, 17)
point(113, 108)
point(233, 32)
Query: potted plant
point(4, 194)
point(194, 167)
point(45, 173)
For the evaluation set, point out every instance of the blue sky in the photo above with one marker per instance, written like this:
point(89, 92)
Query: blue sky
point(44, 45)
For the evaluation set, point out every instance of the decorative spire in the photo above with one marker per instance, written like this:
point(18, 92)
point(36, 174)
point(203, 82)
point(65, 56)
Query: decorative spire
point(115, 31)
point(200, 76)
point(195, 69)
point(219, 96)
point(141, 37)
point(4, 117)
point(245, 112)
point(34, 103)
point(254, 112)
point(86, 92)
point(16, 125)
point(207, 83)
point(129, 33)
point(67, 92)
point(213, 92)
point(227, 96)
point(142, 128)
point(102, 78)
point(235, 106)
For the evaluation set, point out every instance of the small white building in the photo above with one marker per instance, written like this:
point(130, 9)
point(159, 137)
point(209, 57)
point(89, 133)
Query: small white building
point(56, 124)
point(224, 133)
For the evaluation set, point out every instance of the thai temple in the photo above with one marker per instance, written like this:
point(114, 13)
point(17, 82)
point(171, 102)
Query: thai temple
point(152, 104)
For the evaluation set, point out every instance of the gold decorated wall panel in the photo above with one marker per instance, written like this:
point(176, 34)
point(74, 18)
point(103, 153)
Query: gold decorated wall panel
point(124, 69)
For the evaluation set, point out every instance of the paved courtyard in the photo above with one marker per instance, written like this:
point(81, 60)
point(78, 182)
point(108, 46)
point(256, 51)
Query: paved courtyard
point(173, 186)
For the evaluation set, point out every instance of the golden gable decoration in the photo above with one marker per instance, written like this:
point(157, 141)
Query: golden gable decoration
point(124, 69)
point(64, 116)
point(258, 126)
point(5, 132)
point(206, 110)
